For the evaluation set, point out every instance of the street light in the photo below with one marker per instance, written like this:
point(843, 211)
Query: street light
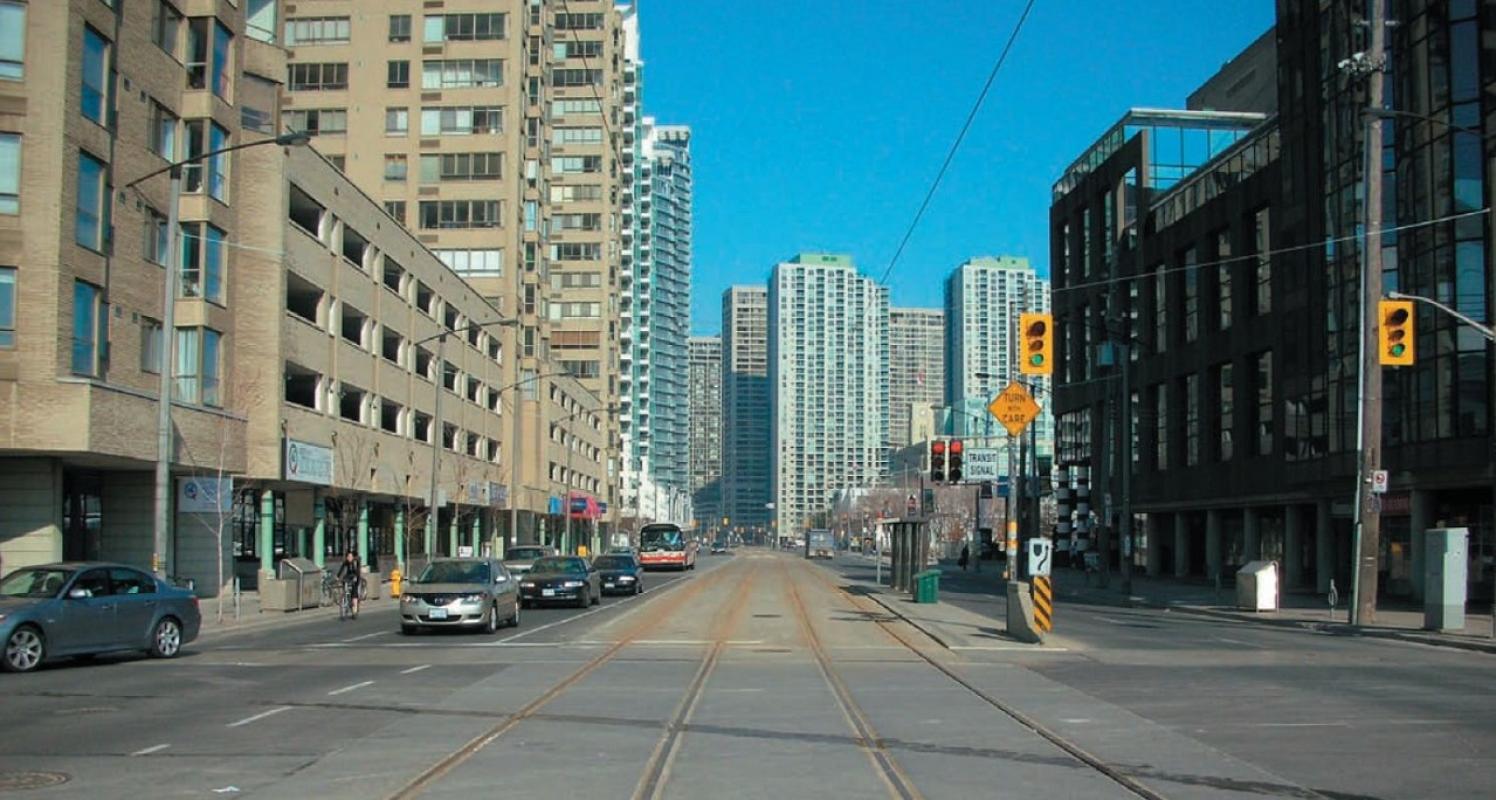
point(168, 332)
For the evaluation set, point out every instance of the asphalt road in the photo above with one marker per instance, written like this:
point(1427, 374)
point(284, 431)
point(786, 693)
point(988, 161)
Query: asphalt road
point(1351, 716)
point(757, 675)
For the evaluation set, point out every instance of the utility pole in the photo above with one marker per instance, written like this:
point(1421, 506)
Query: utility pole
point(1368, 522)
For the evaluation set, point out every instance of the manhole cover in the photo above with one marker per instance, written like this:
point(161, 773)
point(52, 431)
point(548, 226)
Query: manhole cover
point(18, 781)
point(766, 616)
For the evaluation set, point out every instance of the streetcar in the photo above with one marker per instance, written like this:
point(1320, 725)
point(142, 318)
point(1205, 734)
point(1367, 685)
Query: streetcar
point(663, 545)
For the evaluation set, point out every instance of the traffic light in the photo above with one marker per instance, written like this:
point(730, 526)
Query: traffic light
point(1036, 333)
point(953, 472)
point(937, 461)
point(1395, 333)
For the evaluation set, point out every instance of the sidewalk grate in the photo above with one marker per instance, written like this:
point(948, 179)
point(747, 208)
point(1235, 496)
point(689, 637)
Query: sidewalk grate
point(15, 781)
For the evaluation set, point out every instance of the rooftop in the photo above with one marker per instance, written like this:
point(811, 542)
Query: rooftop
point(1179, 143)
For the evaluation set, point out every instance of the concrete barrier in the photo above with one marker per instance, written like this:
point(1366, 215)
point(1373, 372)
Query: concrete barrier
point(1021, 614)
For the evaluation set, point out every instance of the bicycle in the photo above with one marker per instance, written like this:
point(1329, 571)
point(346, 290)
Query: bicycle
point(332, 589)
point(346, 609)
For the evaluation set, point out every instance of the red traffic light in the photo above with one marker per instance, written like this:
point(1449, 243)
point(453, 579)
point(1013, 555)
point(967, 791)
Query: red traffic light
point(939, 447)
point(956, 446)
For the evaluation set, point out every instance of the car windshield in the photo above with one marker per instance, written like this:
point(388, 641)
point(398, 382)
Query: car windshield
point(456, 572)
point(524, 553)
point(560, 564)
point(34, 582)
point(664, 538)
point(613, 562)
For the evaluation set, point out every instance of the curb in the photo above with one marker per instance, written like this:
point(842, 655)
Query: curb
point(1340, 628)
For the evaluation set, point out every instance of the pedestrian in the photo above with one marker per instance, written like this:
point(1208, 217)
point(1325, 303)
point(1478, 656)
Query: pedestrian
point(965, 556)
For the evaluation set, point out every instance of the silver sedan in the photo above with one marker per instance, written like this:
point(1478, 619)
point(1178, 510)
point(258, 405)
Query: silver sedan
point(84, 608)
point(472, 593)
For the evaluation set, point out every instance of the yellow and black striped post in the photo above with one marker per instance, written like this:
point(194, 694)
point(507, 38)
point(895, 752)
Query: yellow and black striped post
point(1043, 603)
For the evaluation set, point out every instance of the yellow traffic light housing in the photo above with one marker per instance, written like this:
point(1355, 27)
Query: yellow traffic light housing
point(1036, 333)
point(1395, 333)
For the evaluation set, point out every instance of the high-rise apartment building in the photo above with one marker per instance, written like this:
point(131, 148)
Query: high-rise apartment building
point(706, 430)
point(983, 298)
point(487, 132)
point(302, 356)
point(828, 379)
point(916, 369)
point(747, 456)
point(665, 200)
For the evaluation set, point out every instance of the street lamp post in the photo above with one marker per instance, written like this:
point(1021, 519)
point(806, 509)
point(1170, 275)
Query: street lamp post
point(164, 439)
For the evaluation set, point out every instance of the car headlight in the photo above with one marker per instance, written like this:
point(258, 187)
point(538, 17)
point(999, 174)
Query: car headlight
point(476, 597)
point(527, 584)
point(574, 584)
point(408, 598)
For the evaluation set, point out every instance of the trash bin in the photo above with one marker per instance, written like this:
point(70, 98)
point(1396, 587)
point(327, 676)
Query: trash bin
point(1257, 586)
point(927, 586)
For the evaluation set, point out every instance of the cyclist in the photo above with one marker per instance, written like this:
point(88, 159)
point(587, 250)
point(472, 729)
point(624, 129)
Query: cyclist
point(348, 574)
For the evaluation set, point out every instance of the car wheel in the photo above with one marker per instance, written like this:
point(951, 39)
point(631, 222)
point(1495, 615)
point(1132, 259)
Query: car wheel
point(585, 599)
point(597, 599)
point(514, 620)
point(166, 640)
point(491, 620)
point(24, 650)
point(638, 587)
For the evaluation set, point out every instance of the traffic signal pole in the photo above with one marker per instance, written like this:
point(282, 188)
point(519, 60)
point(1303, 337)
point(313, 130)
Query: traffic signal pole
point(1368, 521)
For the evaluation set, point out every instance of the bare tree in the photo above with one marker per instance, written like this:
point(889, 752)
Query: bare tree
point(356, 453)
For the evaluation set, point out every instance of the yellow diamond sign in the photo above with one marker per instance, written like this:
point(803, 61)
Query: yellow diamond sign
point(1014, 407)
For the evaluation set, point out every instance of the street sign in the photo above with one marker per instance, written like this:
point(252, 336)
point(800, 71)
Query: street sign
point(1014, 407)
point(1039, 556)
point(1379, 481)
point(982, 464)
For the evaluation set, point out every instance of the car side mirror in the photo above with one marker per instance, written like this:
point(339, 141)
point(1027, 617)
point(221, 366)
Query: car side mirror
point(80, 594)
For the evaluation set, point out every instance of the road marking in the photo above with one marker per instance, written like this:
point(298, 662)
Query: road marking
point(359, 685)
point(259, 716)
point(365, 636)
point(152, 749)
point(413, 670)
point(1300, 725)
point(1233, 641)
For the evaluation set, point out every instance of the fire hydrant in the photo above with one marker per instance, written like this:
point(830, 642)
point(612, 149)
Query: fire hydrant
point(395, 582)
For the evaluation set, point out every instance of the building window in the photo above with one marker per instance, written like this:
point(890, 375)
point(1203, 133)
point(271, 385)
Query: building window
point(318, 121)
point(571, 165)
point(197, 53)
point(399, 27)
point(1263, 424)
point(163, 132)
point(586, 48)
point(461, 120)
point(7, 304)
point(338, 162)
point(394, 166)
point(397, 75)
point(579, 22)
point(567, 106)
point(157, 241)
point(1223, 278)
point(12, 40)
point(196, 373)
point(203, 137)
point(259, 20)
point(203, 261)
point(1261, 238)
point(1225, 418)
point(576, 77)
point(463, 27)
point(95, 99)
point(150, 345)
point(10, 173)
point(1161, 426)
point(451, 214)
point(317, 77)
point(89, 328)
point(1191, 420)
point(577, 136)
point(462, 73)
point(1191, 297)
point(1160, 309)
point(472, 262)
point(396, 121)
point(92, 216)
point(222, 42)
point(396, 209)
point(317, 30)
point(461, 167)
point(166, 28)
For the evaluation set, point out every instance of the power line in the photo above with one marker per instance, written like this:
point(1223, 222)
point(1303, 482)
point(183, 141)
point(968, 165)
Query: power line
point(1254, 256)
point(956, 145)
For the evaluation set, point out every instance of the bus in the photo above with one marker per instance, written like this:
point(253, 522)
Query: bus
point(820, 544)
point(663, 545)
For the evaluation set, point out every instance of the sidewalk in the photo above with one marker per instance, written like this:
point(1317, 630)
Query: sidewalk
point(252, 618)
point(953, 627)
point(1307, 611)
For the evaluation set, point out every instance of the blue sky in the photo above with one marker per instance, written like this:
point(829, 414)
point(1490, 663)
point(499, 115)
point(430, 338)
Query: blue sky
point(819, 125)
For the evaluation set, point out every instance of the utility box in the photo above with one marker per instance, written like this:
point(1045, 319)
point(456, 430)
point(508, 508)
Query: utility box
point(1257, 586)
point(1447, 559)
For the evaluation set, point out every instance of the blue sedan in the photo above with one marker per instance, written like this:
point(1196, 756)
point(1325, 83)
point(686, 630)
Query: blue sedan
point(83, 608)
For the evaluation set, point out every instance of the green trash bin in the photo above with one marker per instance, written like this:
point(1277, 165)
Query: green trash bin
point(927, 586)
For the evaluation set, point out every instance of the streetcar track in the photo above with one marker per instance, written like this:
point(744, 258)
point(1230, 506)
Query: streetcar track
point(438, 770)
point(725, 621)
point(1117, 776)
point(898, 782)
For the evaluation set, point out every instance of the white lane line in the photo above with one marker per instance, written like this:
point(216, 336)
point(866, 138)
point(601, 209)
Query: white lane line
point(259, 716)
point(365, 636)
point(1233, 641)
point(413, 670)
point(359, 685)
point(152, 749)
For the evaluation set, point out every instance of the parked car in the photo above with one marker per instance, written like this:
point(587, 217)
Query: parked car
point(620, 574)
point(561, 579)
point(474, 593)
point(85, 608)
point(518, 559)
point(719, 546)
